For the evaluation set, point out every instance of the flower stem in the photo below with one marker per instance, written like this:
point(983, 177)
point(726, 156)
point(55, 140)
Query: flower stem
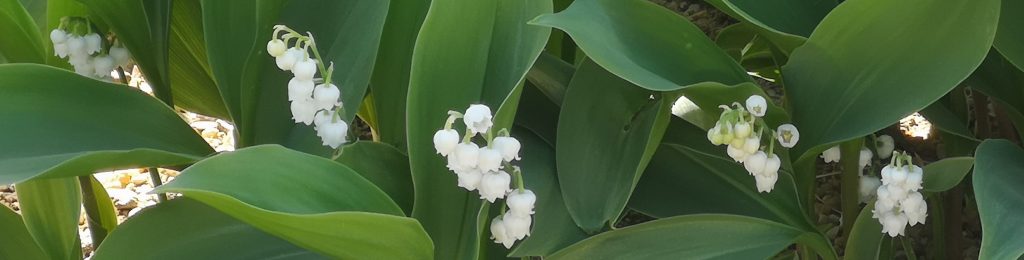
point(154, 174)
point(907, 248)
point(849, 158)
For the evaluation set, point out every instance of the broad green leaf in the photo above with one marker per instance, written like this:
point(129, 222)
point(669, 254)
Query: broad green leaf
point(98, 207)
point(51, 208)
point(385, 166)
point(484, 65)
point(17, 242)
point(21, 41)
point(192, 230)
point(541, 116)
point(390, 81)
point(836, 81)
point(645, 44)
point(704, 236)
point(143, 28)
point(785, 23)
point(1001, 81)
point(942, 118)
point(1010, 36)
point(551, 76)
point(997, 181)
point(59, 133)
point(865, 240)
point(194, 89)
point(946, 173)
point(553, 228)
point(307, 200)
point(608, 130)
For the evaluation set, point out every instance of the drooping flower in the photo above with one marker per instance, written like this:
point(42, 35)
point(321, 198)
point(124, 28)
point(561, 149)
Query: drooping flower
point(495, 185)
point(868, 187)
point(517, 226)
point(499, 234)
point(304, 68)
point(120, 55)
point(445, 141)
point(58, 36)
point(299, 89)
point(303, 110)
point(334, 133)
point(755, 163)
point(478, 118)
point(831, 155)
point(103, 64)
point(467, 155)
point(508, 146)
point(788, 136)
point(276, 48)
point(884, 145)
point(470, 179)
point(287, 60)
point(757, 105)
point(326, 96)
point(489, 159)
point(521, 203)
point(865, 158)
point(93, 43)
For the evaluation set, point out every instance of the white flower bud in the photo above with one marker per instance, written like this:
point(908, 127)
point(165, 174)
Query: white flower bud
point(726, 133)
point(299, 89)
point(521, 203)
point(765, 182)
point(478, 118)
point(737, 154)
point(93, 43)
point(868, 187)
point(445, 141)
point(490, 159)
point(467, 155)
point(517, 226)
point(334, 133)
point(714, 135)
point(884, 145)
point(772, 165)
point(304, 68)
point(752, 145)
point(887, 174)
point(103, 64)
point(120, 55)
point(470, 179)
point(276, 48)
point(495, 185)
point(787, 135)
point(757, 105)
point(303, 110)
point(508, 146)
point(682, 106)
point(741, 130)
point(831, 155)
point(326, 96)
point(499, 234)
point(60, 50)
point(865, 157)
point(755, 163)
point(58, 36)
point(738, 142)
point(287, 60)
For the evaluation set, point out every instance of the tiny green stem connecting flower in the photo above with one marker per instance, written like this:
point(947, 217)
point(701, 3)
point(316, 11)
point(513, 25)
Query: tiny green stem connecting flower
point(309, 43)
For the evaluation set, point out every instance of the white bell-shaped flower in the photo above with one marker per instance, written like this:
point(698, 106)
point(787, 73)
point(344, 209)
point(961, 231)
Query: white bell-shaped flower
point(326, 96)
point(499, 234)
point(865, 157)
point(299, 89)
point(765, 182)
point(120, 55)
point(884, 145)
point(467, 155)
point(454, 165)
point(58, 36)
point(93, 43)
point(682, 106)
point(77, 60)
point(741, 130)
point(305, 68)
point(517, 226)
point(287, 60)
point(276, 48)
point(896, 193)
point(76, 46)
point(885, 201)
point(751, 145)
point(737, 154)
point(60, 50)
point(489, 159)
point(334, 133)
point(494, 185)
point(521, 203)
point(508, 146)
point(787, 135)
point(737, 141)
point(478, 118)
point(772, 165)
point(102, 65)
point(322, 118)
point(915, 207)
point(831, 155)
point(85, 68)
point(445, 141)
point(714, 135)
point(470, 179)
point(755, 163)
point(303, 110)
point(757, 105)
point(868, 187)
point(893, 224)
point(915, 177)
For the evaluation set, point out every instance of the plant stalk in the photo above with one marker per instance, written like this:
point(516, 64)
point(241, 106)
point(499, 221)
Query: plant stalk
point(849, 158)
point(92, 211)
point(154, 174)
point(907, 248)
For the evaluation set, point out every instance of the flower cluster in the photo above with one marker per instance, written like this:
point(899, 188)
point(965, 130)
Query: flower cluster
point(883, 145)
point(488, 170)
point(899, 202)
point(741, 128)
point(314, 101)
point(85, 50)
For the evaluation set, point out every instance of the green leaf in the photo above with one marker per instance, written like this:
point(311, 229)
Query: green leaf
point(942, 118)
point(50, 208)
point(1001, 81)
point(707, 236)
point(553, 228)
point(946, 173)
point(836, 82)
point(18, 243)
point(785, 17)
point(551, 76)
point(189, 70)
point(143, 27)
point(540, 117)
point(608, 130)
point(645, 44)
point(307, 200)
point(99, 209)
point(21, 41)
point(484, 65)
point(61, 134)
point(385, 166)
point(1010, 36)
point(192, 230)
point(997, 181)
point(865, 240)
point(390, 80)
